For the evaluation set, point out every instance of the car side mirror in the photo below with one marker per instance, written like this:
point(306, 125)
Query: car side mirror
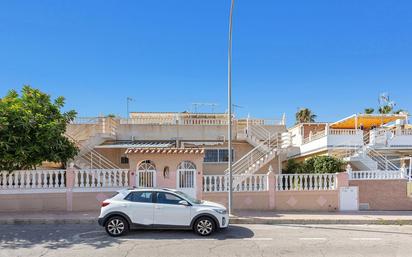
point(183, 202)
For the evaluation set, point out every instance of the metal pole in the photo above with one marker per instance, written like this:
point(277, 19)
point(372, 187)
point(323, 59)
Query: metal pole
point(127, 108)
point(229, 107)
point(410, 169)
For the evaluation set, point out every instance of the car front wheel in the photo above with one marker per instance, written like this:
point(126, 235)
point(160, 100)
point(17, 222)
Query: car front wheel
point(204, 226)
point(116, 226)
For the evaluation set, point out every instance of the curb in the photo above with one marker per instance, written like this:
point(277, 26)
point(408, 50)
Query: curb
point(320, 221)
point(232, 221)
point(47, 221)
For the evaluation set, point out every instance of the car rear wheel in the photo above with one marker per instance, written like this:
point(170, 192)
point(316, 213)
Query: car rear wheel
point(204, 226)
point(116, 226)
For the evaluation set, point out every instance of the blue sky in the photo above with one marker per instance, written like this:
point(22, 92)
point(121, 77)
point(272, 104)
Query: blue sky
point(334, 57)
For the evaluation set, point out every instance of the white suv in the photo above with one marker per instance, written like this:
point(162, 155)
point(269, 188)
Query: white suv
point(160, 208)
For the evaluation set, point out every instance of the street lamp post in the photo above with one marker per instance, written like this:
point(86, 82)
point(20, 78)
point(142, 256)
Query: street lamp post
point(229, 107)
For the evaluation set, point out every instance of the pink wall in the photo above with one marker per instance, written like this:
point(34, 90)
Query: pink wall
point(383, 194)
point(307, 200)
point(81, 201)
point(242, 200)
point(284, 201)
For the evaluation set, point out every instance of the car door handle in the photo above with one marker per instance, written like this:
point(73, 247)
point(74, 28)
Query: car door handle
point(158, 207)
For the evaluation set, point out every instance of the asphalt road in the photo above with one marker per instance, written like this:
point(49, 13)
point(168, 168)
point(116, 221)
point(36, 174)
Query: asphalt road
point(237, 240)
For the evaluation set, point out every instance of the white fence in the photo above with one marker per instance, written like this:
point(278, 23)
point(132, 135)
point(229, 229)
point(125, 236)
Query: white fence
point(32, 179)
point(242, 183)
point(305, 182)
point(377, 175)
point(101, 178)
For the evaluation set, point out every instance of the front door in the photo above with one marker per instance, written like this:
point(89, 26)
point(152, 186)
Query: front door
point(186, 181)
point(140, 208)
point(146, 179)
point(146, 175)
point(168, 211)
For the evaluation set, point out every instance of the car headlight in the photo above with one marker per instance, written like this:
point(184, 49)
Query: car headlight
point(220, 211)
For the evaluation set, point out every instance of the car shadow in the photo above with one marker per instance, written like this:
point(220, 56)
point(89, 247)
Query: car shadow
point(232, 232)
point(71, 235)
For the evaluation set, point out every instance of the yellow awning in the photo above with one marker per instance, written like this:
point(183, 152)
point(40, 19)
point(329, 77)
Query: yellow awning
point(366, 120)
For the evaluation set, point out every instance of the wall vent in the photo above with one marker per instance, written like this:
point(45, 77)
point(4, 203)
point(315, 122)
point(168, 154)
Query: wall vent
point(363, 206)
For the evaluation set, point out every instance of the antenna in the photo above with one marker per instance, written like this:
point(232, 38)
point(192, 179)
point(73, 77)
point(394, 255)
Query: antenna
point(384, 100)
point(234, 106)
point(212, 105)
point(128, 100)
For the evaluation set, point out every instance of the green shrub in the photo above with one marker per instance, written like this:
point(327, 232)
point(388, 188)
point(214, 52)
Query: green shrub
point(316, 164)
point(292, 167)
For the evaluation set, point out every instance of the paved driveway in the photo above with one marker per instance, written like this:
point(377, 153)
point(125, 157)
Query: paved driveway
point(238, 240)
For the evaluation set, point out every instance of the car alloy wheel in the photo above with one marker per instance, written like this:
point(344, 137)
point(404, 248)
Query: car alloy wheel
point(116, 226)
point(204, 227)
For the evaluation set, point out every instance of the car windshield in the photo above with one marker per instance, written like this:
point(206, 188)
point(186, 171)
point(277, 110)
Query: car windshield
point(188, 197)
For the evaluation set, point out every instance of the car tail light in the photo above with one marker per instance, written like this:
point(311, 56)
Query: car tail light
point(105, 204)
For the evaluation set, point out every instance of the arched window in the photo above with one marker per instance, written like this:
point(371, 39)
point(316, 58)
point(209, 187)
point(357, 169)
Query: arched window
point(186, 173)
point(146, 165)
point(186, 165)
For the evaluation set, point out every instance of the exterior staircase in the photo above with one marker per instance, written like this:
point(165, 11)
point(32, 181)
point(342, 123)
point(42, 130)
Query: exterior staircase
point(267, 146)
point(88, 133)
point(365, 157)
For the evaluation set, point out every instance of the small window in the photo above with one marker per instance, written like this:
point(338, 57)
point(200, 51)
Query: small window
point(224, 155)
point(166, 198)
point(140, 197)
point(217, 155)
point(124, 160)
point(211, 155)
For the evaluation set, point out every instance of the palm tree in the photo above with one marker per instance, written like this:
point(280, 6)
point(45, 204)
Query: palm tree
point(369, 110)
point(386, 109)
point(305, 115)
point(399, 111)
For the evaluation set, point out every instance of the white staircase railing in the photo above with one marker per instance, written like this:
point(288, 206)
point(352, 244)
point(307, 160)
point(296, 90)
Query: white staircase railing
point(266, 146)
point(87, 156)
point(90, 158)
point(383, 162)
point(367, 153)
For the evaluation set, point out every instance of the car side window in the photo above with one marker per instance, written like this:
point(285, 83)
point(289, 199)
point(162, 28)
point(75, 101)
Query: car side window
point(166, 198)
point(140, 197)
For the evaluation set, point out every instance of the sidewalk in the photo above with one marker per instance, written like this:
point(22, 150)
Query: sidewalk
point(241, 217)
point(358, 217)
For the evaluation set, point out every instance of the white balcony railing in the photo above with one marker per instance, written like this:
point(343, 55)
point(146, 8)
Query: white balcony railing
point(306, 182)
point(313, 137)
point(342, 132)
point(203, 121)
point(406, 132)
